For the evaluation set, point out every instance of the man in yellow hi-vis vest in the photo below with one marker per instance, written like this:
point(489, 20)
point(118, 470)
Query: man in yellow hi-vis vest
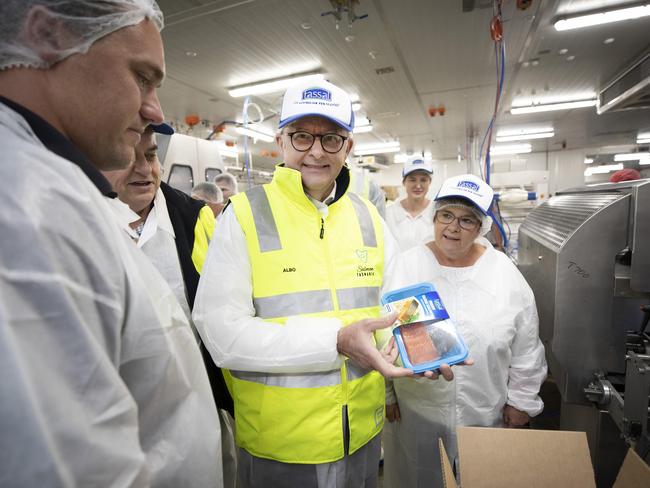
point(289, 301)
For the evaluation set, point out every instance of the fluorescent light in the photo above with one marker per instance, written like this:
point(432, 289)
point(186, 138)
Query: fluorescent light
point(645, 161)
point(589, 160)
point(226, 151)
point(599, 18)
point(525, 137)
point(367, 152)
point(523, 131)
point(553, 106)
point(360, 129)
point(643, 138)
point(632, 157)
point(255, 134)
point(643, 141)
point(510, 149)
point(377, 145)
point(400, 158)
point(606, 168)
point(356, 106)
point(272, 86)
point(428, 155)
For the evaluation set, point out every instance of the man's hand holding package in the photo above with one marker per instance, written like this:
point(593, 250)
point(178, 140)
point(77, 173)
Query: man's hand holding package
point(357, 343)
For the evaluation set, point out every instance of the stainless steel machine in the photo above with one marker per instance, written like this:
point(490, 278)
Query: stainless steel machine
point(586, 254)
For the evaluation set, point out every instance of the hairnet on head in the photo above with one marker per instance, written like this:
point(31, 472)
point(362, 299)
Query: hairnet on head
point(459, 202)
point(79, 24)
point(227, 179)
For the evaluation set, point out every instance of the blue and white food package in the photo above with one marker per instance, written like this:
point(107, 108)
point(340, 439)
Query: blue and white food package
point(425, 335)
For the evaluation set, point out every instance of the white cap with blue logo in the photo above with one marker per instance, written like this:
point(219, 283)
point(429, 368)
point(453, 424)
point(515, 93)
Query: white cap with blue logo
point(469, 187)
point(318, 98)
point(417, 165)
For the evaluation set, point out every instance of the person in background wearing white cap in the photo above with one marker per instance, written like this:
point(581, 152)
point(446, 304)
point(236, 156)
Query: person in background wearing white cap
point(102, 380)
point(294, 320)
point(411, 219)
point(494, 310)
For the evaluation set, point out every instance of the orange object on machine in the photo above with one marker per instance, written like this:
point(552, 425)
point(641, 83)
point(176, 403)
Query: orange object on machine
point(442, 110)
point(192, 120)
point(496, 28)
point(432, 111)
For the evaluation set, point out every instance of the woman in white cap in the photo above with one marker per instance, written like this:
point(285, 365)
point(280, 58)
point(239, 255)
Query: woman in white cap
point(411, 219)
point(494, 310)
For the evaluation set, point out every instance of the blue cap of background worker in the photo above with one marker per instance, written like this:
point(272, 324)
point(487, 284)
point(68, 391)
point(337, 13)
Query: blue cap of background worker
point(162, 129)
point(417, 165)
point(468, 187)
point(319, 98)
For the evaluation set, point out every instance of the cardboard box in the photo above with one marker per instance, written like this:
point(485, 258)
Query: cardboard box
point(634, 473)
point(524, 458)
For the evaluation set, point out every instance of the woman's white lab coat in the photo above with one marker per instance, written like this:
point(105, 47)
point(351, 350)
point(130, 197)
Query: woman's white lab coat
point(494, 309)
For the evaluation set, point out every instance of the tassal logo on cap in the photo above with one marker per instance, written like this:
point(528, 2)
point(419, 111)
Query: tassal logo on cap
point(470, 185)
point(317, 94)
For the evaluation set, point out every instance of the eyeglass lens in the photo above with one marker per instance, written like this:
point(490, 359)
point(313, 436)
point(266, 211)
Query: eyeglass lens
point(466, 223)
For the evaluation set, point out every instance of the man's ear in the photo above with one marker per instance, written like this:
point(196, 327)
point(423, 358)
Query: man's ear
point(45, 34)
point(279, 141)
point(350, 143)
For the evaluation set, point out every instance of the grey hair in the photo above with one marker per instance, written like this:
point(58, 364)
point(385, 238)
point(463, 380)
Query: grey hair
point(456, 202)
point(208, 191)
point(228, 179)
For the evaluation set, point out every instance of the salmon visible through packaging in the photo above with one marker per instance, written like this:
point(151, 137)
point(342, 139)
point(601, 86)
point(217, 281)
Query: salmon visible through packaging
point(418, 343)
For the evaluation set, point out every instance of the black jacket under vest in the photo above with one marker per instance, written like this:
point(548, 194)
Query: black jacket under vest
point(184, 213)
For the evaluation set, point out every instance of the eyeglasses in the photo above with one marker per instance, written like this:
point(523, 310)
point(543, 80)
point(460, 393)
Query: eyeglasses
point(303, 141)
point(467, 223)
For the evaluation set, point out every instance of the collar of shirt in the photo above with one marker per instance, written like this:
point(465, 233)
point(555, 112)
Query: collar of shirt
point(422, 215)
point(158, 219)
point(323, 207)
point(61, 146)
point(124, 216)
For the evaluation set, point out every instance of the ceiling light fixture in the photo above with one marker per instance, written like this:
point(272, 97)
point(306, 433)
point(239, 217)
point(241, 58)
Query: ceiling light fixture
point(601, 17)
point(368, 152)
point(255, 134)
point(643, 138)
point(589, 160)
point(360, 129)
point(356, 106)
point(643, 156)
point(377, 148)
point(605, 168)
point(523, 134)
point(272, 86)
point(548, 107)
point(225, 151)
point(510, 149)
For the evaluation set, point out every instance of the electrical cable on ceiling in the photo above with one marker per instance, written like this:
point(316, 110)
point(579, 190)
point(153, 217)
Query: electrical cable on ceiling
point(496, 34)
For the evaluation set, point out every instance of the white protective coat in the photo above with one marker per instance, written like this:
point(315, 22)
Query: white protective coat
point(102, 381)
point(410, 231)
point(494, 309)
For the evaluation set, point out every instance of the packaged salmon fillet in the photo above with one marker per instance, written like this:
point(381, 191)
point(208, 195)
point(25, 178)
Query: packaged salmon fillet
point(425, 335)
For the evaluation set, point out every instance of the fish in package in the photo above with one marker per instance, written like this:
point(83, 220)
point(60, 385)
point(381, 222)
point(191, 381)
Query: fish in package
point(425, 335)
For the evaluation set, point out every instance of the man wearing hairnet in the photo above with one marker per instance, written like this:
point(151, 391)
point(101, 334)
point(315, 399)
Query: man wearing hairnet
point(103, 383)
point(494, 310)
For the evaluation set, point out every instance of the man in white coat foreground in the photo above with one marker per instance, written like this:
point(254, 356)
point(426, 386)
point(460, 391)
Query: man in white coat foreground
point(103, 383)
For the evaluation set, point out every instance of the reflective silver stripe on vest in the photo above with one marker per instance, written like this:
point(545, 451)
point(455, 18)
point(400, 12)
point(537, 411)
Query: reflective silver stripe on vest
point(350, 298)
point(298, 303)
point(267, 232)
point(355, 371)
point(292, 380)
point(365, 221)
